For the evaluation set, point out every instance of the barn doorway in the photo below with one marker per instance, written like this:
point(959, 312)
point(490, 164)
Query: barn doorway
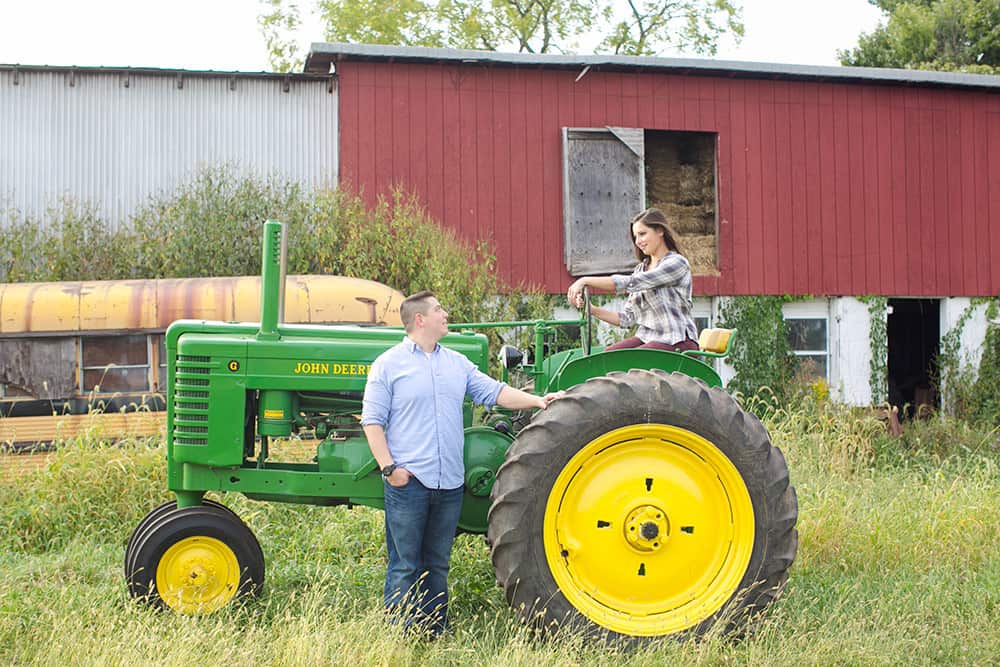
point(914, 335)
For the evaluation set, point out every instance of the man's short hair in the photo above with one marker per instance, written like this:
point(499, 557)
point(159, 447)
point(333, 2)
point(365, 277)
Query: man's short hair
point(413, 304)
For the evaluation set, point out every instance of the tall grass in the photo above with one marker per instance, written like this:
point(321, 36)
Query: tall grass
point(898, 564)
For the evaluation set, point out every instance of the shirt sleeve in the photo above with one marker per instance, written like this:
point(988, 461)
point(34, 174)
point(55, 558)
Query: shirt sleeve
point(378, 397)
point(480, 387)
point(671, 270)
point(628, 315)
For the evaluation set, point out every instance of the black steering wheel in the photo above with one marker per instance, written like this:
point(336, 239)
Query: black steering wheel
point(588, 323)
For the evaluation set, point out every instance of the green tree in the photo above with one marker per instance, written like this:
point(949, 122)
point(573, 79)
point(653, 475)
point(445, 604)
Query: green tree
point(638, 27)
point(277, 20)
point(951, 35)
point(530, 26)
point(684, 25)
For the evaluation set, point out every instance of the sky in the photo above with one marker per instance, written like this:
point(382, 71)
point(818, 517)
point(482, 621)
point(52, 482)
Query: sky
point(223, 34)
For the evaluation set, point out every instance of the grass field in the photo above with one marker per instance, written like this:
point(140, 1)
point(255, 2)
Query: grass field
point(898, 563)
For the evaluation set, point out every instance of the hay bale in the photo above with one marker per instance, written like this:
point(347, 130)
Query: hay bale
point(690, 185)
point(688, 220)
point(701, 253)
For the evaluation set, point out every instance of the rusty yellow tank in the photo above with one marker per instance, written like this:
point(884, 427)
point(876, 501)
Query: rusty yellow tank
point(44, 327)
point(144, 305)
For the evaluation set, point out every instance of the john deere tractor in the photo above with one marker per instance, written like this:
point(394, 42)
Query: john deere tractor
point(645, 503)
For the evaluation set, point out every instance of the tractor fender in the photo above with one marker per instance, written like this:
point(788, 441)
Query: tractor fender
point(580, 369)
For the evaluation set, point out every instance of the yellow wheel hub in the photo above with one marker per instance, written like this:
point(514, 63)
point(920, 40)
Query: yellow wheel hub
point(198, 575)
point(648, 530)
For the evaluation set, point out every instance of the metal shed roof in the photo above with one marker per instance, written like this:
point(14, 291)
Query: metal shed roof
point(322, 55)
point(17, 68)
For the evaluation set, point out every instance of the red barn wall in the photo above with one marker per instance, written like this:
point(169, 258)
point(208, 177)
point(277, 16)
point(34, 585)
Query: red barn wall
point(824, 188)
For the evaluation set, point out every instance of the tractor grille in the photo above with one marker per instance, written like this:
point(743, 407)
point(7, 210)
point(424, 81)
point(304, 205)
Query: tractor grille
point(191, 400)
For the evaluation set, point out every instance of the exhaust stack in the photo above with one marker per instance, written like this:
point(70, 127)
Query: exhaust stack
point(274, 264)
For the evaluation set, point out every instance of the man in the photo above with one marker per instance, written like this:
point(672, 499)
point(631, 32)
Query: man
point(412, 417)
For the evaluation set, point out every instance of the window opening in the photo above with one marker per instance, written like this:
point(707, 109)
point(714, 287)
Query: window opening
point(13, 391)
point(115, 363)
point(808, 340)
point(680, 172)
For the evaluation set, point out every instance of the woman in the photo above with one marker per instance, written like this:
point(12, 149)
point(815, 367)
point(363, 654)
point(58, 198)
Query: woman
point(659, 290)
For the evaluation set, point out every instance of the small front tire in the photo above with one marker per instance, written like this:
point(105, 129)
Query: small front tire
point(194, 560)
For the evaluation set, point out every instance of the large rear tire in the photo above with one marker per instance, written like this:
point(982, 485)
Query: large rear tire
point(643, 504)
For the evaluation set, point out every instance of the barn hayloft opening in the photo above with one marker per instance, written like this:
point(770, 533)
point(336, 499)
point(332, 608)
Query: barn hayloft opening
point(680, 180)
point(612, 173)
point(914, 336)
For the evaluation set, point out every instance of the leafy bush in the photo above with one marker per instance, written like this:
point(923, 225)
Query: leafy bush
point(761, 355)
point(72, 242)
point(211, 226)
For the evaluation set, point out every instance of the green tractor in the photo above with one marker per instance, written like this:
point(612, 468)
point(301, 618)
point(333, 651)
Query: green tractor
point(646, 503)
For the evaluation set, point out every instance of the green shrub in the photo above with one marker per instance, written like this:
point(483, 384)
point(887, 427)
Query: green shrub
point(72, 242)
point(211, 226)
point(761, 355)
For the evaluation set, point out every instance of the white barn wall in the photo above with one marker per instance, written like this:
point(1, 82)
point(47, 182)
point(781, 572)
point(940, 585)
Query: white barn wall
point(973, 335)
point(114, 137)
point(850, 351)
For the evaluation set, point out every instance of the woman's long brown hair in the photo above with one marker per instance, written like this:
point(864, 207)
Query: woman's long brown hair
point(654, 217)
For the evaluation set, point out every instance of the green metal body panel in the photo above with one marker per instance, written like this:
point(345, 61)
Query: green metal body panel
point(234, 386)
point(485, 450)
point(569, 368)
point(216, 371)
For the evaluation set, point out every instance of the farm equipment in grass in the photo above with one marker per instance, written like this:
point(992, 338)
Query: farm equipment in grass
point(645, 503)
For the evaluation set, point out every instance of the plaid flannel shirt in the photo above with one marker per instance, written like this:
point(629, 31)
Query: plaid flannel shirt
point(659, 301)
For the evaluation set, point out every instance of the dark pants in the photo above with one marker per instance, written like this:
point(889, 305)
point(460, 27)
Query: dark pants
point(634, 341)
point(420, 525)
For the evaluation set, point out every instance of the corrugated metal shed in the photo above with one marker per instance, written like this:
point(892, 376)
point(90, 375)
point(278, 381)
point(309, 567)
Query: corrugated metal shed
point(113, 137)
point(830, 181)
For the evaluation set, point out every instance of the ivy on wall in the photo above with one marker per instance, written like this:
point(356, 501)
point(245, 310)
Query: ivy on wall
point(761, 355)
point(984, 403)
point(949, 361)
point(970, 393)
point(878, 339)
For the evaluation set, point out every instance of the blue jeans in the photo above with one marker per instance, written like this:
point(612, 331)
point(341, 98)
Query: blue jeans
point(420, 525)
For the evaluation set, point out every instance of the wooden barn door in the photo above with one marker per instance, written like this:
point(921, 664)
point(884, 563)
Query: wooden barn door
point(604, 186)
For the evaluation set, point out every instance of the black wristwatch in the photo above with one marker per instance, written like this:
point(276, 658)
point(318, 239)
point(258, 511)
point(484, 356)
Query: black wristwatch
point(387, 471)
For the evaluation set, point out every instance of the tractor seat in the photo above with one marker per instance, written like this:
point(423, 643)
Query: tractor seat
point(713, 343)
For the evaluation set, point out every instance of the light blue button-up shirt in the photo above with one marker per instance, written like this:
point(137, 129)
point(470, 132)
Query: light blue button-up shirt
point(417, 398)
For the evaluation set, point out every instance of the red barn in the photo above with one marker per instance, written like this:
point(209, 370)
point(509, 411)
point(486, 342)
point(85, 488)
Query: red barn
point(829, 180)
point(782, 179)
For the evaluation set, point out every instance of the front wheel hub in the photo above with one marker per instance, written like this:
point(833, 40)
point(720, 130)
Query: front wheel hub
point(198, 574)
point(646, 528)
